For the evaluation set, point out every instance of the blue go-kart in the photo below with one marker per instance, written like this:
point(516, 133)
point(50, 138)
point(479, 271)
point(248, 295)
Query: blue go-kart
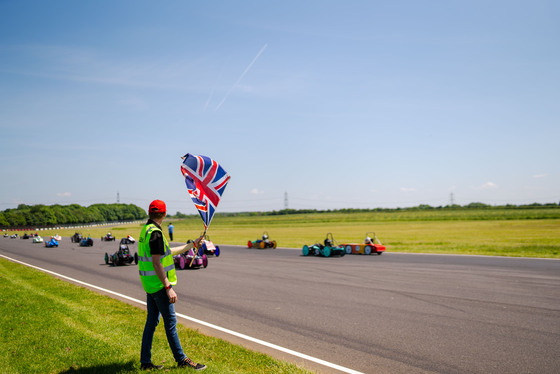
point(208, 247)
point(86, 242)
point(52, 242)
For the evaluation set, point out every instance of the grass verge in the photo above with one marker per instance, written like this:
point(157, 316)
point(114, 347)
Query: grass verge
point(51, 326)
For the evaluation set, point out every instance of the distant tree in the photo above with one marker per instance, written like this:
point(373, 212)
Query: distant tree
point(14, 218)
point(180, 215)
point(477, 205)
point(3, 220)
point(47, 214)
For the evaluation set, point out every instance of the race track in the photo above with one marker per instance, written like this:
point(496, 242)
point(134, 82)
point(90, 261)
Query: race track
point(395, 313)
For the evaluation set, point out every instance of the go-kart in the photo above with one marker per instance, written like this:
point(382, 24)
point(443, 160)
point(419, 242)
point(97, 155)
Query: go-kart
point(121, 257)
point(52, 242)
point(370, 245)
point(6, 235)
point(191, 259)
point(108, 237)
point(86, 242)
point(209, 248)
point(37, 239)
point(329, 248)
point(14, 236)
point(77, 237)
point(129, 240)
point(265, 242)
point(26, 236)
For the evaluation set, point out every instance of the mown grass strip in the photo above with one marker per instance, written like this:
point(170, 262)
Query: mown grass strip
point(51, 326)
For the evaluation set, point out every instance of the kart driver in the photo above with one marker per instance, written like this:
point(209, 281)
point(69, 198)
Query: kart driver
point(157, 274)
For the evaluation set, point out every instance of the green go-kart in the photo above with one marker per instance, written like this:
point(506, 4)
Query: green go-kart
point(328, 248)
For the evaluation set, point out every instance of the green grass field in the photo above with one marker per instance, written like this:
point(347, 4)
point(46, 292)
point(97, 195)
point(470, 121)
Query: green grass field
point(51, 326)
point(496, 232)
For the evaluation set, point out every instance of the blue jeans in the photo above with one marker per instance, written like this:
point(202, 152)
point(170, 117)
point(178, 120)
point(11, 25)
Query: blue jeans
point(158, 303)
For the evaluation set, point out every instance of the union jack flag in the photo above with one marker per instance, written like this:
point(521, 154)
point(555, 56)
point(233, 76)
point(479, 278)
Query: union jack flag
point(206, 181)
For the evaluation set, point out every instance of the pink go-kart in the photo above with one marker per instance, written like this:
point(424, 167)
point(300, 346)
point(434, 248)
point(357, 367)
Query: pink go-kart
point(192, 259)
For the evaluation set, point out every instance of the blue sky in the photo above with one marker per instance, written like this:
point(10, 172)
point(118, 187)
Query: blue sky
point(338, 104)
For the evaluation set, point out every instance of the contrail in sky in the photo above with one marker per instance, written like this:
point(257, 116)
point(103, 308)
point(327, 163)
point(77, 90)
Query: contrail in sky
point(241, 77)
point(214, 89)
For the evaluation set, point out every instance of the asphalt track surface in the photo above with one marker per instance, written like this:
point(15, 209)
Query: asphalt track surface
point(395, 313)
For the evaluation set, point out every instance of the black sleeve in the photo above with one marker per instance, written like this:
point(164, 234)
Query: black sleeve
point(156, 243)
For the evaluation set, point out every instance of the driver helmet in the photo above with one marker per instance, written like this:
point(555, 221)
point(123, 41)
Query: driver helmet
point(265, 237)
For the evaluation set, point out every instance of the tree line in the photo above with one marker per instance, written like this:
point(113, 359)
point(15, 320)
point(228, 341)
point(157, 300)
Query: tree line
point(50, 215)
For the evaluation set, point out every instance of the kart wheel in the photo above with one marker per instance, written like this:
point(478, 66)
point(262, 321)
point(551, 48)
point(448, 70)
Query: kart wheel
point(348, 249)
point(249, 244)
point(367, 250)
point(379, 253)
point(181, 262)
point(106, 258)
point(274, 244)
point(135, 258)
point(317, 250)
point(327, 251)
point(204, 261)
point(217, 251)
point(305, 250)
point(261, 245)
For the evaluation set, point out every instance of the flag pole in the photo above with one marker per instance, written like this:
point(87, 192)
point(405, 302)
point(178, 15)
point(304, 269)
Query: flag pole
point(195, 253)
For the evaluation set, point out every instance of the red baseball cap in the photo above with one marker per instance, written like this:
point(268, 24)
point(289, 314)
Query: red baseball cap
point(157, 206)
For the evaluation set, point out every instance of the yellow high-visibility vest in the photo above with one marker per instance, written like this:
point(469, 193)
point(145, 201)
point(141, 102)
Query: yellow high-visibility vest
point(148, 276)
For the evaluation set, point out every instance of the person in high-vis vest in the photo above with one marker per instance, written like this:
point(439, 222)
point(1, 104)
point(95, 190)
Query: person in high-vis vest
point(157, 274)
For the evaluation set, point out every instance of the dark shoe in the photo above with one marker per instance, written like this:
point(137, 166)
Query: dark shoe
point(150, 366)
point(187, 362)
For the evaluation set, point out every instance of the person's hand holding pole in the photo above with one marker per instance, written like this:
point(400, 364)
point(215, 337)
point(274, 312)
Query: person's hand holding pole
point(198, 241)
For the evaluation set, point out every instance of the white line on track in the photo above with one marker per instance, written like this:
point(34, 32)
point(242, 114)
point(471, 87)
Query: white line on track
point(212, 326)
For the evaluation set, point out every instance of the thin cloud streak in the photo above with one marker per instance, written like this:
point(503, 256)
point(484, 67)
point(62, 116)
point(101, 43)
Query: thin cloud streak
point(213, 89)
point(241, 77)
